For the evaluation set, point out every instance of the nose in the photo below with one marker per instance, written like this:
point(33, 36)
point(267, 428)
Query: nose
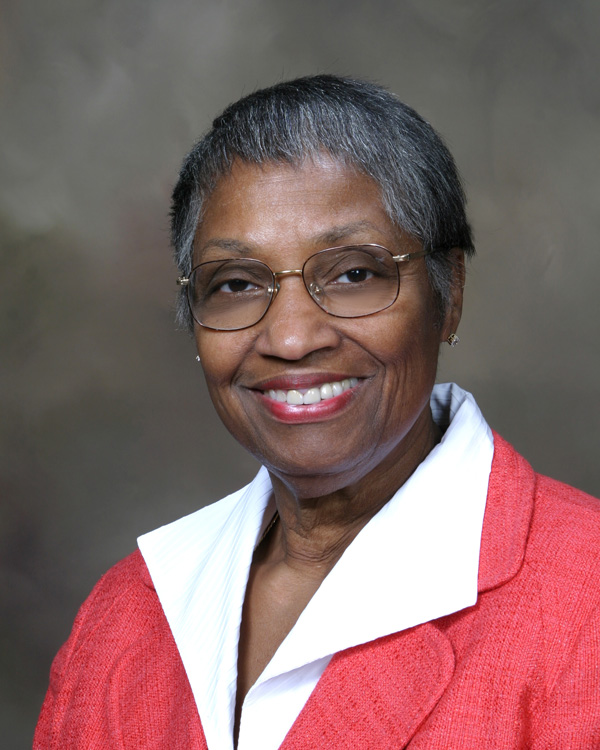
point(295, 326)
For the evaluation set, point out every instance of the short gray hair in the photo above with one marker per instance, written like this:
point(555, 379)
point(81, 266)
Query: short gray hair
point(357, 123)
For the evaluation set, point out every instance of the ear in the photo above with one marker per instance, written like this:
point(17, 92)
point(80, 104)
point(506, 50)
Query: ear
point(455, 300)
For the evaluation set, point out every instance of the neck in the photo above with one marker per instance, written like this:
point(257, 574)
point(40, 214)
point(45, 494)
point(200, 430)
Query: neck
point(320, 516)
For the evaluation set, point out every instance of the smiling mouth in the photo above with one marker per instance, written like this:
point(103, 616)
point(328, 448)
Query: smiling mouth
point(306, 396)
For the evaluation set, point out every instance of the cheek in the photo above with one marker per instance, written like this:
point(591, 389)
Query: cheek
point(409, 358)
point(412, 336)
point(414, 367)
point(222, 356)
point(217, 363)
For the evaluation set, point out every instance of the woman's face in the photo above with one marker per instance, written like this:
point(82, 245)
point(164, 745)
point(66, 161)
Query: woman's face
point(281, 215)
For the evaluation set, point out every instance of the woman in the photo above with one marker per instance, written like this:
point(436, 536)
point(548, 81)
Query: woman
point(396, 575)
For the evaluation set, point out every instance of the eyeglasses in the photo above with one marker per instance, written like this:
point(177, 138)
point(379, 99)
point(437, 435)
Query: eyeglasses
point(347, 282)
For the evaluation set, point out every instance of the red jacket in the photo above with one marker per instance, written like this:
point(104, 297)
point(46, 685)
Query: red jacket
point(519, 669)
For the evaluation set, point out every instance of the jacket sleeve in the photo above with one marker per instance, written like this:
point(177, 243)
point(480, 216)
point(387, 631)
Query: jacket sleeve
point(72, 667)
point(51, 706)
point(572, 715)
point(56, 701)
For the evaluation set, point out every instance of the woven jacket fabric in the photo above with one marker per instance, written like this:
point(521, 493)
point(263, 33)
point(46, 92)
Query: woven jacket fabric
point(519, 669)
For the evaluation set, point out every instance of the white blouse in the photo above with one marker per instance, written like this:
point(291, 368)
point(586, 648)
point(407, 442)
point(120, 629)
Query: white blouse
point(415, 561)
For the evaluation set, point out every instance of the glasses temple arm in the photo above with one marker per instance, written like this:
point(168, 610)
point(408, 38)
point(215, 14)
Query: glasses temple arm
point(409, 256)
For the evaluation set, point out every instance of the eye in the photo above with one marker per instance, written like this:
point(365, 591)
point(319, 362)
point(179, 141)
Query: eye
point(232, 278)
point(350, 267)
point(234, 286)
point(354, 276)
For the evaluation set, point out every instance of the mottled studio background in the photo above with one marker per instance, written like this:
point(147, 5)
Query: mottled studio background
point(105, 424)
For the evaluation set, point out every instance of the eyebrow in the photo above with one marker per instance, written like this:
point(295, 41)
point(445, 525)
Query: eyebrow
point(233, 246)
point(335, 234)
point(330, 238)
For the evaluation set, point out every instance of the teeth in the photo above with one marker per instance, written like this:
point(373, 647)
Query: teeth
point(295, 398)
point(312, 395)
point(277, 395)
point(326, 391)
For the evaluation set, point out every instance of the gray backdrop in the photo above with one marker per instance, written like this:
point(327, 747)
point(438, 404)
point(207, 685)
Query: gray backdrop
point(107, 431)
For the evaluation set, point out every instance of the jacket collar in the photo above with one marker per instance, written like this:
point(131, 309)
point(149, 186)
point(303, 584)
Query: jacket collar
point(507, 518)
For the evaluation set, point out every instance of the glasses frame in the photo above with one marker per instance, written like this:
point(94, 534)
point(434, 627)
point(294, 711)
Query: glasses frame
point(184, 281)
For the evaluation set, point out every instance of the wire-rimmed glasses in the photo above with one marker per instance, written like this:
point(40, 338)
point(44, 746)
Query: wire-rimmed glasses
point(347, 282)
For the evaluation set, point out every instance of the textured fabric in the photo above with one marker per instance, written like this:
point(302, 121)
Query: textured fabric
point(423, 545)
point(519, 669)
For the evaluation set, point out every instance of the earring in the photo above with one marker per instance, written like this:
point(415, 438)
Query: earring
point(197, 358)
point(452, 339)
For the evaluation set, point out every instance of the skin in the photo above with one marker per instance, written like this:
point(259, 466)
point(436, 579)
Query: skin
point(330, 474)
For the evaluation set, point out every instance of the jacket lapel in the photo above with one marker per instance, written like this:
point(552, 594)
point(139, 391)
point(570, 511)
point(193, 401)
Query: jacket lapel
point(508, 512)
point(377, 694)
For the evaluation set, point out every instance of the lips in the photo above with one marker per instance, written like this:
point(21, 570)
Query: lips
point(307, 398)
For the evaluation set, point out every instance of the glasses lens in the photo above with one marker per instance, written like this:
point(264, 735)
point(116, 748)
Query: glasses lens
point(230, 294)
point(352, 281)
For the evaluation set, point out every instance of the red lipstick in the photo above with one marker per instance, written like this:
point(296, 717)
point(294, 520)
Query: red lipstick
point(335, 400)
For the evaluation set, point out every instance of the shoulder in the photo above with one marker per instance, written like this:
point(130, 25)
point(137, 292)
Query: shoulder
point(564, 561)
point(560, 570)
point(563, 548)
point(568, 516)
point(565, 526)
point(105, 680)
point(571, 504)
point(128, 573)
point(551, 531)
point(125, 585)
point(122, 606)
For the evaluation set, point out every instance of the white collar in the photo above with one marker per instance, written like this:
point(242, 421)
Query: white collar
point(415, 561)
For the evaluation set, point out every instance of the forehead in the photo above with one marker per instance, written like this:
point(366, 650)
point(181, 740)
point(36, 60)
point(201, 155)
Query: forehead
point(313, 205)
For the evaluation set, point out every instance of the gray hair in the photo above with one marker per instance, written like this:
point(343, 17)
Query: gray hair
point(357, 123)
